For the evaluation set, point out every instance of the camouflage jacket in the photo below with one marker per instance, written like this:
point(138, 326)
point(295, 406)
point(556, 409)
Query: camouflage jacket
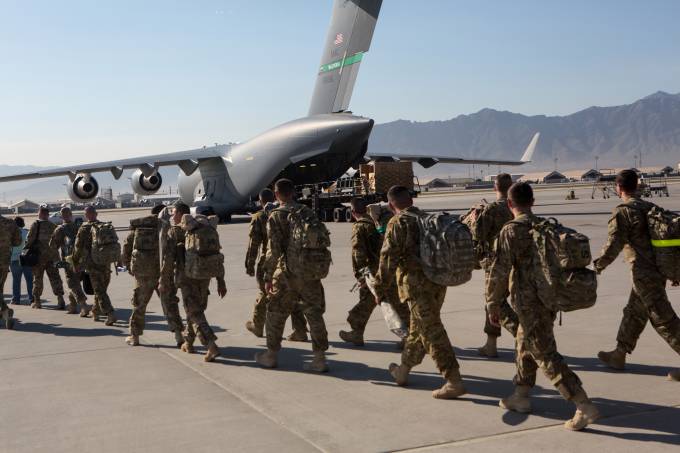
point(488, 227)
point(172, 265)
point(64, 238)
point(41, 237)
point(512, 268)
point(257, 244)
point(10, 236)
point(400, 253)
point(278, 236)
point(628, 231)
point(366, 244)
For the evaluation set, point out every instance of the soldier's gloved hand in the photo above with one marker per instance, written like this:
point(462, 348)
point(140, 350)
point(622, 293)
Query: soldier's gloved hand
point(250, 271)
point(268, 287)
point(221, 289)
point(494, 315)
point(596, 266)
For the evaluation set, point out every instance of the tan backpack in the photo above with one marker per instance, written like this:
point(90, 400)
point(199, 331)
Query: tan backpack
point(664, 230)
point(308, 255)
point(105, 246)
point(203, 259)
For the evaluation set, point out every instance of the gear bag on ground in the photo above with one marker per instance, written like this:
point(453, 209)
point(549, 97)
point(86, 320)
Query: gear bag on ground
point(308, 255)
point(203, 259)
point(664, 230)
point(563, 281)
point(446, 248)
point(105, 246)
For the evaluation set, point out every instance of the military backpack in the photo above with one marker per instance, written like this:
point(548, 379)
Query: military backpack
point(308, 255)
point(446, 248)
point(203, 259)
point(664, 230)
point(105, 245)
point(562, 279)
point(471, 219)
point(145, 259)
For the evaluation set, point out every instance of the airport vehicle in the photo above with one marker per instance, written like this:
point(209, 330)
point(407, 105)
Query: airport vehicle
point(224, 179)
point(655, 185)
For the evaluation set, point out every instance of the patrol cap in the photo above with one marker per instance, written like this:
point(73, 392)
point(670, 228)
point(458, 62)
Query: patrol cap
point(43, 208)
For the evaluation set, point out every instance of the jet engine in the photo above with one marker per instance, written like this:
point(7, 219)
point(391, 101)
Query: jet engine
point(82, 188)
point(146, 185)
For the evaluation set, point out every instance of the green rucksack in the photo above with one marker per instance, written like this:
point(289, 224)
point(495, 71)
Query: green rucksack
point(664, 230)
point(145, 260)
point(203, 259)
point(562, 280)
point(308, 255)
point(105, 245)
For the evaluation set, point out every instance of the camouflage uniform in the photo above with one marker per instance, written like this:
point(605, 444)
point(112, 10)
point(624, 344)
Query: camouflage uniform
point(366, 244)
point(64, 238)
point(535, 340)
point(489, 225)
point(257, 247)
point(400, 256)
point(48, 258)
point(100, 276)
point(194, 292)
point(10, 236)
point(648, 299)
point(146, 283)
point(290, 289)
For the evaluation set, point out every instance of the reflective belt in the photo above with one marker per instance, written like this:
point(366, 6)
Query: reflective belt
point(666, 242)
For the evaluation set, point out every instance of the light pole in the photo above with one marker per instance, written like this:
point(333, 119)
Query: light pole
point(555, 163)
point(635, 164)
point(596, 159)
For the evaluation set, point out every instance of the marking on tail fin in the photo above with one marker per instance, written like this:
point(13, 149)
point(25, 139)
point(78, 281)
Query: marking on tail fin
point(529, 152)
point(339, 64)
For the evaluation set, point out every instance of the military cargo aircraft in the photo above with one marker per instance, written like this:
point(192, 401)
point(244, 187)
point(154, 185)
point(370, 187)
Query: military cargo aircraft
point(318, 147)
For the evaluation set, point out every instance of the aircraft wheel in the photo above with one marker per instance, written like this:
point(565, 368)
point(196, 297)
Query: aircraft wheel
point(339, 215)
point(348, 215)
point(327, 215)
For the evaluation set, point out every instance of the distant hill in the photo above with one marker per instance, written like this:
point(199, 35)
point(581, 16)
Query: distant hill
point(649, 126)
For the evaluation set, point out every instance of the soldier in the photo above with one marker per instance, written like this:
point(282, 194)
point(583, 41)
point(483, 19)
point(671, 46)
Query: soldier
point(286, 288)
point(366, 245)
point(100, 276)
point(169, 299)
point(648, 301)
point(63, 239)
point(487, 227)
point(10, 236)
point(535, 341)
point(141, 255)
point(194, 291)
point(257, 248)
point(399, 258)
point(39, 236)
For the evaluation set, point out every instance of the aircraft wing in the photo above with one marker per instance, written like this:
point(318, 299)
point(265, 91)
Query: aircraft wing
point(429, 160)
point(186, 160)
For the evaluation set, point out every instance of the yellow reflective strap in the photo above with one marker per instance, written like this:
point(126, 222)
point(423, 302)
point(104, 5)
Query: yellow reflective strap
point(666, 242)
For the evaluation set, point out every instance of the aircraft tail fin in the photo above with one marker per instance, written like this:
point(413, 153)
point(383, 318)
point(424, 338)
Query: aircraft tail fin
point(349, 37)
point(529, 152)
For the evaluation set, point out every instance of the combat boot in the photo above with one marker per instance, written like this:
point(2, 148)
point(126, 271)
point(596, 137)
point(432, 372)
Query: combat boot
point(267, 359)
point(95, 314)
point(8, 317)
point(250, 326)
point(213, 352)
point(132, 340)
point(179, 338)
point(353, 336)
point(401, 344)
point(674, 375)
point(400, 373)
point(489, 349)
point(453, 388)
point(615, 359)
point(586, 413)
point(519, 401)
point(85, 310)
point(72, 305)
point(36, 304)
point(188, 346)
point(297, 336)
point(111, 319)
point(318, 363)
point(61, 304)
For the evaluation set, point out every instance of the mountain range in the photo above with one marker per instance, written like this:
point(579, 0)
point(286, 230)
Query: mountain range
point(649, 127)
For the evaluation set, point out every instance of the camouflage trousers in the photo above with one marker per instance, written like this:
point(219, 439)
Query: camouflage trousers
point(101, 278)
point(260, 311)
point(39, 271)
point(75, 288)
point(288, 291)
point(427, 334)
point(508, 318)
point(4, 270)
point(361, 312)
point(648, 301)
point(195, 298)
point(141, 295)
point(170, 306)
point(536, 346)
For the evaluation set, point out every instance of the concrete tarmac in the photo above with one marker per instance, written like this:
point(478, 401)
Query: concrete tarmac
point(68, 384)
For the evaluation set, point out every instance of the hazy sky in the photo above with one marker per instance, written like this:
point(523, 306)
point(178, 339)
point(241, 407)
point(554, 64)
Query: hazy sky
point(87, 81)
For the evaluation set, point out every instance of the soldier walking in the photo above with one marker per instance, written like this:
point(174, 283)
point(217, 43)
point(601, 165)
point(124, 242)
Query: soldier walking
point(99, 274)
point(648, 301)
point(10, 236)
point(366, 245)
point(63, 239)
point(535, 342)
point(399, 258)
point(39, 237)
point(287, 284)
point(255, 256)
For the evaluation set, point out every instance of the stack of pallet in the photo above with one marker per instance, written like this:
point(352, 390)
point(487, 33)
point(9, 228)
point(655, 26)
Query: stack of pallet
point(383, 175)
